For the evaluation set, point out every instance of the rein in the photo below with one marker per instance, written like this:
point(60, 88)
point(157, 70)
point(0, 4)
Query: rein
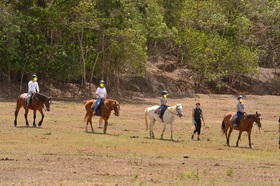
point(109, 109)
point(173, 112)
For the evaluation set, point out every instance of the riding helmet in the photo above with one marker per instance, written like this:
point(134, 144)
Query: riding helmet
point(239, 97)
point(164, 92)
point(34, 76)
point(101, 82)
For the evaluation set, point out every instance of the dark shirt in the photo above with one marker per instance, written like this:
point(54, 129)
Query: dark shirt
point(197, 113)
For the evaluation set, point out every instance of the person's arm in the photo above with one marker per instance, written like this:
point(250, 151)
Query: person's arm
point(37, 88)
point(193, 120)
point(202, 118)
point(29, 86)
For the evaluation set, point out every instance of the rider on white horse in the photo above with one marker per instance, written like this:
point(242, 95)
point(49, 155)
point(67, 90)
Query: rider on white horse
point(163, 106)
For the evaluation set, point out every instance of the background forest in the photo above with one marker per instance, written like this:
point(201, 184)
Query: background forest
point(81, 41)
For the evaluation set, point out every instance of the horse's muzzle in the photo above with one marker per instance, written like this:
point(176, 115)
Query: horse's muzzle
point(116, 114)
point(180, 114)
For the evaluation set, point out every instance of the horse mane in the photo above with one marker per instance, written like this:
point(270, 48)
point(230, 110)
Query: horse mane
point(42, 97)
point(250, 116)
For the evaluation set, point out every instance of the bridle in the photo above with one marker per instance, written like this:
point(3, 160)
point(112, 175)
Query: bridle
point(258, 116)
point(177, 112)
point(115, 105)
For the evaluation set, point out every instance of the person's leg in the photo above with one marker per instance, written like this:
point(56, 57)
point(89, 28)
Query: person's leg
point(236, 119)
point(29, 95)
point(198, 123)
point(100, 123)
point(195, 130)
point(161, 111)
point(96, 105)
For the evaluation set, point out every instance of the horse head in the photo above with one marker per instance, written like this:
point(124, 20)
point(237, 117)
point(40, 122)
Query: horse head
point(258, 119)
point(179, 110)
point(48, 103)
point(116, 107)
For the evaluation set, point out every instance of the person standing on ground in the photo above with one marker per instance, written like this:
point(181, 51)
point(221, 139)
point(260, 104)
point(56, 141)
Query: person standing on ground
point(33, 88)
point(197, 115)
point(101, 94)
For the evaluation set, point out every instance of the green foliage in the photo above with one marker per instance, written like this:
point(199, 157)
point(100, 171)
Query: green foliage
point(73, 40)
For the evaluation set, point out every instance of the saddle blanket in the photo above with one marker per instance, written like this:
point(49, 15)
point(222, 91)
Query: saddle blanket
point(24, 96)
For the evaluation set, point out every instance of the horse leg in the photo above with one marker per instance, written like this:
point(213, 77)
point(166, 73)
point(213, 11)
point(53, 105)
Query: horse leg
point(90, 122)
point(16, 113)
point(105, 125)
point(228, 136)
point(171, 129)
point(25, 116)
point(249, 138)
point(164, 126)
point(240, 132)
point(34, 118)
point(152, 135)
point(41, 121)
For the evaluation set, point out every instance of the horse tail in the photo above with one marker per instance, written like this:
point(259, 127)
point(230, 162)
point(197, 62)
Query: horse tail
point(223, 126)
point(87, 110)
point(86, 116)
point(146, 119)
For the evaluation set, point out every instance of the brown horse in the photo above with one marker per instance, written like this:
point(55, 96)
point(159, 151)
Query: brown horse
point(106, 109)
point(246, 124)
point(37, 103)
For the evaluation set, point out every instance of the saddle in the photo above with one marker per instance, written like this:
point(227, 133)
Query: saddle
point(24, 96)
point(239, 119)
point(98, 110)
point(157, 111)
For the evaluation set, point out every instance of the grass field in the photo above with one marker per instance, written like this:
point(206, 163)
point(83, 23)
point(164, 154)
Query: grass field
point(62, 153)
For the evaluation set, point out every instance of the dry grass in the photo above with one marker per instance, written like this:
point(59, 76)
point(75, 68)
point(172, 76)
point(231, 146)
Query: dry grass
point(61, 153)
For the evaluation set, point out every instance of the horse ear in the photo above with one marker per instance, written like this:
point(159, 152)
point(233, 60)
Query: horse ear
point(257, 113)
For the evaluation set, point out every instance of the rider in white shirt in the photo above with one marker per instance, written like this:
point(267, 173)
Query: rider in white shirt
point(33, 88)
point(101, 94)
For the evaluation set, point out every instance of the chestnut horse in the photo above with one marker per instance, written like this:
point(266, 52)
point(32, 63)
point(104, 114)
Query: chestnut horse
point(246, 124)
point(37, 102)
point(106, 109)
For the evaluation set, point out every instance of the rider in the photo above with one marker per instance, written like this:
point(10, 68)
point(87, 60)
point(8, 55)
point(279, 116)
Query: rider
point(101, 94)
point(163, 101)
point(197, 116)
point(240, 110)
point(33, 88)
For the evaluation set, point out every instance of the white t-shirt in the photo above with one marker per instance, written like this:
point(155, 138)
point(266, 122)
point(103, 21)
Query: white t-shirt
point(101, 92)
point(33, 87)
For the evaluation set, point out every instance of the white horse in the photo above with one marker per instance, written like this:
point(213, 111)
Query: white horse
point(168, 117)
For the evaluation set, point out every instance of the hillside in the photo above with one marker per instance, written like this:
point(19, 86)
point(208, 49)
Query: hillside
point(160, 75)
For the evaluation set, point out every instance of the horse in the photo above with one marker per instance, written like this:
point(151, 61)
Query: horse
point(168, 117)
point(106, 109)
point(246, 124)
point(38, 101)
